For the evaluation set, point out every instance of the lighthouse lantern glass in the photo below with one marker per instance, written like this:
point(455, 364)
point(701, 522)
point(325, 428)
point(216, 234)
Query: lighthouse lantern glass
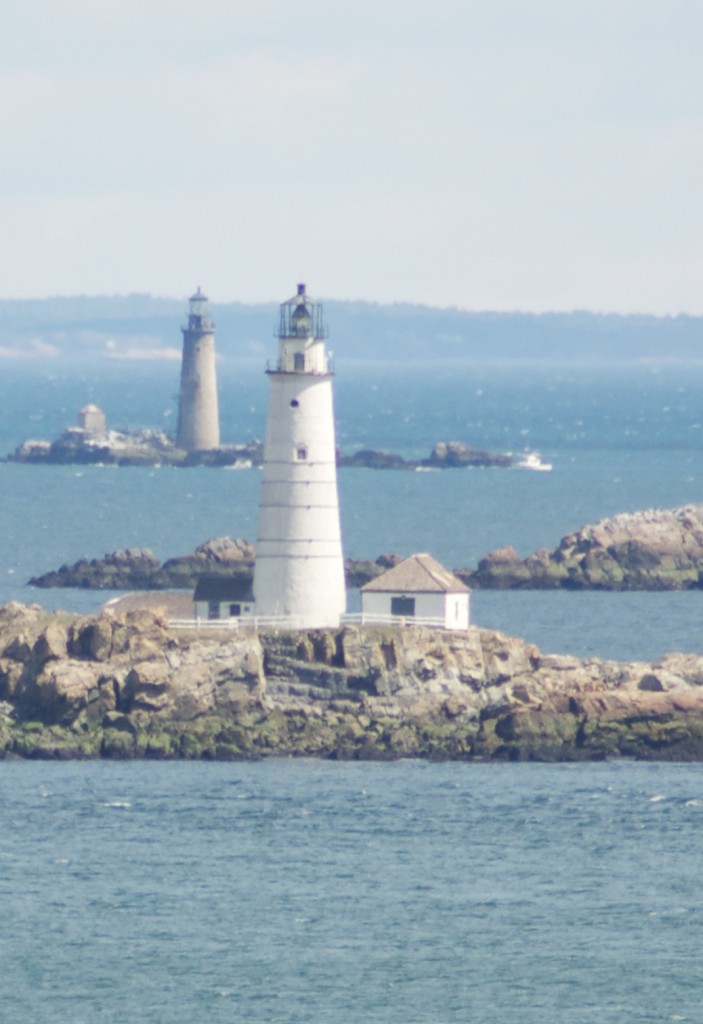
point(198, 305)
point(302, 322)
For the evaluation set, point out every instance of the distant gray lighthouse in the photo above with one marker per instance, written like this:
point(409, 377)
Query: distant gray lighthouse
point(198, 412)
point(299, 573)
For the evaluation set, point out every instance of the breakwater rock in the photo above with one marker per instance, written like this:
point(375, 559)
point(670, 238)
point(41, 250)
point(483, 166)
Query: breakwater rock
point(127, 686)
point(657, 549)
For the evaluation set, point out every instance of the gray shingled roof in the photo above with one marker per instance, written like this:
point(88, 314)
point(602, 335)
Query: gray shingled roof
point(421, 574)
point(223, 588)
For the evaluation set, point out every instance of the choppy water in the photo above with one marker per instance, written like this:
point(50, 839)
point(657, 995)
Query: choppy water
point(620, 439)
point(293, 891)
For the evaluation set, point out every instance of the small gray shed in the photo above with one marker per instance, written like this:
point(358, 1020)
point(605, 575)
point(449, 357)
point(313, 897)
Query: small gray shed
point(223, 597)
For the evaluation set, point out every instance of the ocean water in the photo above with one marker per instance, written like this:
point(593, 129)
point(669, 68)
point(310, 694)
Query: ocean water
point(619, 438)
point(300, 892)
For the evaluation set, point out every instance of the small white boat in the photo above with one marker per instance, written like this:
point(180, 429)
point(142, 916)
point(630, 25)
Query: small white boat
point(532, 460)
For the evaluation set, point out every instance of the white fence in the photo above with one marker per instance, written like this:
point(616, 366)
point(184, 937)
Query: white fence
point(204, 623)
point(257, 622)
point(372, 619)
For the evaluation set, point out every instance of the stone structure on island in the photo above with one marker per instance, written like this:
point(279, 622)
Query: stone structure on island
point(198, 410)
point(91, 420)
point(299, 573)
point(418, 588)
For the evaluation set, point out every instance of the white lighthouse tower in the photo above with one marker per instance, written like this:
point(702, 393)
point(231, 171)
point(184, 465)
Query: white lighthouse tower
point(198, 412)
point(299, 574)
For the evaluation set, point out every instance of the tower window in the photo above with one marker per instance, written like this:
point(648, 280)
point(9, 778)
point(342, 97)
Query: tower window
point(301, 453)
point(294, 403)
point(298, 360)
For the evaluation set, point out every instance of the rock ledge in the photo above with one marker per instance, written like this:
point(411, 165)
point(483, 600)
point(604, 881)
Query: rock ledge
point(127, 686)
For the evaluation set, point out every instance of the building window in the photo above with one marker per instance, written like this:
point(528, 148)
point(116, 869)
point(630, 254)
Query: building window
point(235, 610)
point(403, 606)
point(301, 453)
point(213, 609)
point(299, 361)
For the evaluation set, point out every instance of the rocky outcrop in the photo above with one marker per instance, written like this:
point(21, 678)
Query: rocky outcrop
point(444, 455)
point(139, 569)
point(658, 549)
point(129, 686)
point(77, 446)
point(456, 454)
point(131, 448)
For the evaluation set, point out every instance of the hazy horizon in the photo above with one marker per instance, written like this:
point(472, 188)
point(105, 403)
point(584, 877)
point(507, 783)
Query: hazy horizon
point(515, 156)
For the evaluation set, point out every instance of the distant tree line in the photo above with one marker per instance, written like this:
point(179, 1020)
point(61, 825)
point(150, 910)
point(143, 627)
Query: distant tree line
point(97, 327)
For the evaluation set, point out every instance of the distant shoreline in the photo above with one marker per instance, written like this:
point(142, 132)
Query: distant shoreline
point(144, 327)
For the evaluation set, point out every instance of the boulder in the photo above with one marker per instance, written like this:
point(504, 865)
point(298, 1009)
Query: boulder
point(60, 692)
point(51, 644)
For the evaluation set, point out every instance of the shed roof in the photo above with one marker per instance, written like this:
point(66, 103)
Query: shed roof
point(419, 573)
point(223, 588)
point(177, 604)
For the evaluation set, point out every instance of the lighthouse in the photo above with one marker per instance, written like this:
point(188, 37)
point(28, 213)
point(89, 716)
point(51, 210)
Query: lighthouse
point(299, 574)
point(198, 413)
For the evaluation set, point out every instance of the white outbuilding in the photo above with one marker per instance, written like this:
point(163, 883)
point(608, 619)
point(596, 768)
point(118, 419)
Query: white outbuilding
point(417, 588)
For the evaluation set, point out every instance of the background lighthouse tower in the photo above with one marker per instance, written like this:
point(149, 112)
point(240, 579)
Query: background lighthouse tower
point(299, 572)
point(198, 412)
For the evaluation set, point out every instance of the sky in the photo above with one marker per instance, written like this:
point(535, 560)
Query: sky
point(484, 154)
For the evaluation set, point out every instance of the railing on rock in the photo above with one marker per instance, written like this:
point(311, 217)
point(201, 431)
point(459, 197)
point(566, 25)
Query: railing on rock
point(374, 619)
point(256, 622)
point(204, 623)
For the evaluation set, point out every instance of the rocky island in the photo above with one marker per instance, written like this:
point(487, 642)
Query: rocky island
point(127, 685)
point(78, 446)
point(657, 549)
point(131, 448)
point(139, 569)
